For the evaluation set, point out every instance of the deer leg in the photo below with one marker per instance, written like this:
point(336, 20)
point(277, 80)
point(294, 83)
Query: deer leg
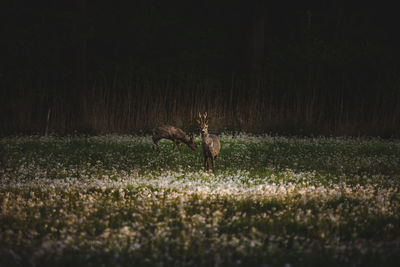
point(155, 142)
point(212, 164)
point(178, 145)
point(173, 144)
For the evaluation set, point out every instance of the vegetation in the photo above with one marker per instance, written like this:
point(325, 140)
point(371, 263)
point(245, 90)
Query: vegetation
point(326, 68)
point(113, 200)
point(137, 104)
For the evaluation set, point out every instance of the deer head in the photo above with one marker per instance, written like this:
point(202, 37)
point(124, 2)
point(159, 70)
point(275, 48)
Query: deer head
point(192, 144)
point(203, 122)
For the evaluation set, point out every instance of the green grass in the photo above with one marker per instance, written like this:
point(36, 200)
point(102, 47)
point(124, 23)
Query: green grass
point(114, 200)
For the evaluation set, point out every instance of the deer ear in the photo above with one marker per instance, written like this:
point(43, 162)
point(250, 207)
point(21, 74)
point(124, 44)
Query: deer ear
point(198, 121)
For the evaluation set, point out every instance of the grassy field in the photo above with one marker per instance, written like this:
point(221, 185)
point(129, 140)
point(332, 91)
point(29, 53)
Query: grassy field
point(273, 201)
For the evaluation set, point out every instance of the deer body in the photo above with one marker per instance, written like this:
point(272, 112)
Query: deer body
point(210, 144)
point(176, 135)
point(211, 147)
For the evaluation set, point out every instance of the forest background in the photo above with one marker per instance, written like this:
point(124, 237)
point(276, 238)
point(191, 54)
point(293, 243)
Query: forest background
point(309, 68)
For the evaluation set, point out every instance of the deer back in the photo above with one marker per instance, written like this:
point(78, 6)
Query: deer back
point(171, 132)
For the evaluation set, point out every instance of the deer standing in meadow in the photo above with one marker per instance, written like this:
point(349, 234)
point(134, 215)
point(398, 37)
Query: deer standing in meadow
point(210, 143)
point(176, 135)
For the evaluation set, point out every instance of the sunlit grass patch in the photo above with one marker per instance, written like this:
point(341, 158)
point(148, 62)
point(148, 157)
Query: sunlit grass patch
point(273, 200)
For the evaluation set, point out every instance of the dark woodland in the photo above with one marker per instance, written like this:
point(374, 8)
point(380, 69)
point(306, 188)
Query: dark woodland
point(291, 68)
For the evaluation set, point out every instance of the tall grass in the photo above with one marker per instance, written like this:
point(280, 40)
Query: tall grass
point(308, 88)
point(137, 103)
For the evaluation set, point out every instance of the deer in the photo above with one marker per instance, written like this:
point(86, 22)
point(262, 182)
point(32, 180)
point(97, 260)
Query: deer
point(210, 143)
point(176, 135)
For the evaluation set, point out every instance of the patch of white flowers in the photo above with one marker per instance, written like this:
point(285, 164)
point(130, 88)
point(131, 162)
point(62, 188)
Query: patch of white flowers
point(51, 208)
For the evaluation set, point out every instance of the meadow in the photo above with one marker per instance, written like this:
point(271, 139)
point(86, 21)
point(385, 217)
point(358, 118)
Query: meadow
point(273, 201)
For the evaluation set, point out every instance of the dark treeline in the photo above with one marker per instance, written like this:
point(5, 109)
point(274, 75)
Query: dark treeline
point(315, 67)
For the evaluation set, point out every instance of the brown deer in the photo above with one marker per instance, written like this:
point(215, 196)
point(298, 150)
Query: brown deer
point(210, 143)
point(174, 134)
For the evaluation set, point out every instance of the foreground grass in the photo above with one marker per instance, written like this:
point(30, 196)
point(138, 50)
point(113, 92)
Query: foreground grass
point(274, 201)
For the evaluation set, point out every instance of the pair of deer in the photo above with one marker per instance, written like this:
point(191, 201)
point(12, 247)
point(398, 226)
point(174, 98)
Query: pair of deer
point(210, 143)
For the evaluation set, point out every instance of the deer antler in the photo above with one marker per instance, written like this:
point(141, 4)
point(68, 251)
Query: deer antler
point(205, 118)
point(199, 119)
point(202, 118)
